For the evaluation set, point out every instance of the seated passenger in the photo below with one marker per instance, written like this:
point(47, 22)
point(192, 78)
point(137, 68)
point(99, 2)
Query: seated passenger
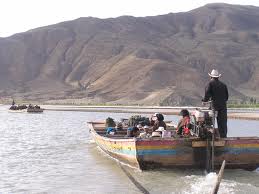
point(13, 107)
point(140, 127)
point(119, 126)
point(153, 119)
point(158, 121)
point(183, 127)
point(110, 131)
point(146, 133)
point(132, 132)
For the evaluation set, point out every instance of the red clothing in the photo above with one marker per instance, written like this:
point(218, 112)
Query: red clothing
point(183, 126)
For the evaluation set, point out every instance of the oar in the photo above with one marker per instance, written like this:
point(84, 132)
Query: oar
point(220, 175)
point(134, 181)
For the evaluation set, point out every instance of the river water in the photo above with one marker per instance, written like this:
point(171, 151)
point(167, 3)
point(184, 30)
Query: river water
point(53, 153)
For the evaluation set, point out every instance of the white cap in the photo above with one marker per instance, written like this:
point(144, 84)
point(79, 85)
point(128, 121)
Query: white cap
point(146, 127)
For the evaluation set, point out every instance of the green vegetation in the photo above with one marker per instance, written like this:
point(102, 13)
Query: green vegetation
point(247, 103)
point(243, 105)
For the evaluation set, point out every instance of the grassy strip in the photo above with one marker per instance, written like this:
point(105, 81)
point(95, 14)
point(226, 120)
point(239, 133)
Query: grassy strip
point(243, 105)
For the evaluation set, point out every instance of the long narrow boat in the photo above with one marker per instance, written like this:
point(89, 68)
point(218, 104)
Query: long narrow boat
point(17, 111)
point(34, 110)
point(238, 152)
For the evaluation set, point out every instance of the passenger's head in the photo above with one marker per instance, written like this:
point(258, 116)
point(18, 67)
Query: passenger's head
point(154, 117)
point(160, 117)
point(139, 126)
point(184, 113)
point(146, 128)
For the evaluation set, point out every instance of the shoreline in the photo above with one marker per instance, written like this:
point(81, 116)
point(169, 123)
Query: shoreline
point(148, 110)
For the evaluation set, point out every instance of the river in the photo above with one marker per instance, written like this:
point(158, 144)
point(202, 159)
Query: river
point(53, 153)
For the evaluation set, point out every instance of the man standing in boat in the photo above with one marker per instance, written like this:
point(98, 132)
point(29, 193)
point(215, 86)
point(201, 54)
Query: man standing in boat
point(217, 92)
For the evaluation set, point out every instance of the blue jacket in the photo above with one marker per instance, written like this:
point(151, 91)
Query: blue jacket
point(109, 129)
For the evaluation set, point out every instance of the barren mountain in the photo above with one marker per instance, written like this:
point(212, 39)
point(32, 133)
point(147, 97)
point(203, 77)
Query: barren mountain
point(146, 60)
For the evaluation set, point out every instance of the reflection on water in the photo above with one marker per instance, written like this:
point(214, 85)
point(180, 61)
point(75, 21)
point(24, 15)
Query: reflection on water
point(53, 153)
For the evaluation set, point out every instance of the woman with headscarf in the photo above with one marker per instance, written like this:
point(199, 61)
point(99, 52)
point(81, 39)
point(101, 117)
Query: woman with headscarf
point(184, 124)
point(158, 119)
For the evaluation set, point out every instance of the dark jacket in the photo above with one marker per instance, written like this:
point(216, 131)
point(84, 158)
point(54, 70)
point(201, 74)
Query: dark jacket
point(216, 91)
point(158, 124)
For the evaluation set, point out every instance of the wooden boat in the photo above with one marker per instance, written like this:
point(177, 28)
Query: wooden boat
point(34, 110)
point(17, 111)
point(238, 152)
point(17, 108)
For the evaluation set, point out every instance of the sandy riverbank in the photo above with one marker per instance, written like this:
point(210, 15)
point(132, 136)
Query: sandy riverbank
point(249, 115)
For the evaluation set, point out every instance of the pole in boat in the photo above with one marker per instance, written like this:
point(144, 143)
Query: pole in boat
point(220, 175)
point(211, 144)
point(134, 181)
point(208, 162)
point(212, 150)
point(213, 140)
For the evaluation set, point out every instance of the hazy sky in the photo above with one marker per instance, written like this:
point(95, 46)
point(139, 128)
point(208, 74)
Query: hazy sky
point(22, 15)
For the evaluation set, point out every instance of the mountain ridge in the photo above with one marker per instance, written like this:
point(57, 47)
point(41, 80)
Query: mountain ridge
point(135, 60)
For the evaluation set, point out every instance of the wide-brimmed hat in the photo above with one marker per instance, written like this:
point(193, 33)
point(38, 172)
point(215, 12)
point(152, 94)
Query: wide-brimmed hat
point(156, 134)
point(214, 73)
point(160, 129)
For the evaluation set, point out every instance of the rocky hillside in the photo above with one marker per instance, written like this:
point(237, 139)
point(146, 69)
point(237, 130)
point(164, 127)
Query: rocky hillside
point(127, 60)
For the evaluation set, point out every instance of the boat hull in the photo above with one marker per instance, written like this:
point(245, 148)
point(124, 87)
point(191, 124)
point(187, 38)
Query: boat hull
point(123, 150)
point(34, 110)
point(178, 152)
point(17, 111)
point(237, 152)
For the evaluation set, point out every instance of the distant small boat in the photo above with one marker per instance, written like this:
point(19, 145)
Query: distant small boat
point(18, 108)
point(17, 111)
point(23, 108)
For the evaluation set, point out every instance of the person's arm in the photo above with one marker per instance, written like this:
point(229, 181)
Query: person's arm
point(227, 93)
point(155, 126)
point(207, 95)
point(179, 125)
point(152, 122)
